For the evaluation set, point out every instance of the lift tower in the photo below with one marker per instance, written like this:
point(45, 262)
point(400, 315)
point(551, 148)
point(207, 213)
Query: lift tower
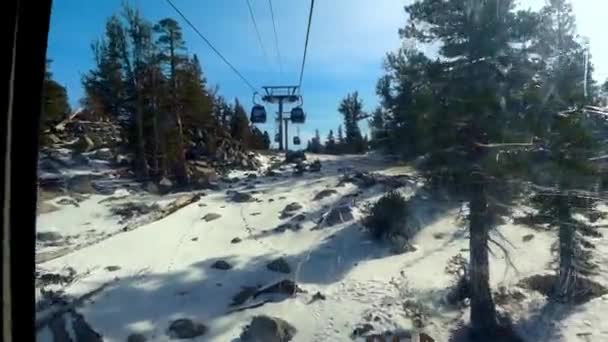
point(281, 95)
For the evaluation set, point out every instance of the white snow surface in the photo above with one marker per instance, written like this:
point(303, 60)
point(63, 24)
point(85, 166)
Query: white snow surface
point(165, 271)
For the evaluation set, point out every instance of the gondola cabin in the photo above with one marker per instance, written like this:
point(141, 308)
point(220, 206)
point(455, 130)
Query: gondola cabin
point(297, 115)
point(258, 114)
point(277, 138)
point(296, 140)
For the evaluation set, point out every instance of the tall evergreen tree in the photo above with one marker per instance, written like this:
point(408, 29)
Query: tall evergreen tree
point(480, 42)
point(315, 145)
point(172, 45)
point(351, 107)
point(330, 143)
point(104, 85)
point(134, 37)
point(55, 105)
point(267, 141)
point(379, 131)
point(240, 129)
point(567, 144)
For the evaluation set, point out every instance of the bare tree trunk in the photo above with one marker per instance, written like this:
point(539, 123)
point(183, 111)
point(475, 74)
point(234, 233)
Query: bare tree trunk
point(142, 164)
point(181, 173)
point(567, 272)
point(156, 152)
point(483, 312)
point(155, 105)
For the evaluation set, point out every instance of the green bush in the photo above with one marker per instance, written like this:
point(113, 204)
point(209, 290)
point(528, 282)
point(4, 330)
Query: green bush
point(388, 218)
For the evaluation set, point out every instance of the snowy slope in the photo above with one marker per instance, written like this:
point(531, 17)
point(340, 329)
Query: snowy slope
point(165, 267)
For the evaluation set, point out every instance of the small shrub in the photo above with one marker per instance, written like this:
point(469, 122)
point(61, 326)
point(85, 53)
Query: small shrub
point(388, 218)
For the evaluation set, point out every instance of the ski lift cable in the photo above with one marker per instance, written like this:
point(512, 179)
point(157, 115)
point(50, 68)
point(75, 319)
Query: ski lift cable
point(211, 46)
point(257, 31)
point(312, 4)
point(276, 38)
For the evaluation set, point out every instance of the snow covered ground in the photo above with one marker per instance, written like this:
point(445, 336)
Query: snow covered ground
point(164, 268)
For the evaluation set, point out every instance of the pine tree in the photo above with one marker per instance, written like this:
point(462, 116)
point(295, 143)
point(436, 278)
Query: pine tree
point(377, 124)
point(351, 107)
point(266, 140)
point(194, 101)
point(171, 46)
point(315, 144)
point(55, 105)
point(567, 145)
point(104, 85)
point(330, 143)
point(340, 141)
point(479, 41)
point(134, 36)
point(239, 126)
point(404, 122)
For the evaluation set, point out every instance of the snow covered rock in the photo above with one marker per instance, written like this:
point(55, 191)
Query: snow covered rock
point(185, 328)
point(165, 185)
point(290, 210)
point(339, 215)
point(82, 184)
point(84, 144)
point(315, 166)
point(46, 207)
point(103, 154)
point(324, 193)
point(48, 236)
point(68, 201)
point(362, 329)
point(241, 197)
point(136, 338)
point(211, 216)
point(202, 173)
point(221, 265)
point(295, 156)
point(112, 268)
point(279, 265)
point(235, 240)
point(268, 329)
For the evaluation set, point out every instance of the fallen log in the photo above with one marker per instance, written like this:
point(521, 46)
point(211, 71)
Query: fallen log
point(174, 206)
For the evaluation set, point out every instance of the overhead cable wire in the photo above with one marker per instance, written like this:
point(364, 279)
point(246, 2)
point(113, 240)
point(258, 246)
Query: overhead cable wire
point(312, 4)
point(253, 89)
point(276, 38)
point(257, 31)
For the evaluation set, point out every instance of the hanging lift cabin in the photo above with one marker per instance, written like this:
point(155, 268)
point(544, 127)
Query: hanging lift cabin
point(297, 115)
point(258, 114)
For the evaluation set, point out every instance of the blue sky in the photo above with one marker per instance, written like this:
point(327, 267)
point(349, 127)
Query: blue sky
point(348, 41)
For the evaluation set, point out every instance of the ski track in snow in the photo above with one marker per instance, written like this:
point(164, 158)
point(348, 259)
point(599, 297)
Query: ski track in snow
point(165, 269)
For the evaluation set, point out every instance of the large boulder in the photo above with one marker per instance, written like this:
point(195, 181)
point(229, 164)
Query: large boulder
point(295, 156)
point(211, 216)
point(82, 184)
point(136, 337)
point(221, 265)
point(103, 154)
point(315, 166)
point(84, 144)
point(324, 193)
point(268, 329)
point(279, 265)
point(202, 173)
point(290, 210)
point(165, 185)
point(48, 236)
point(241, 197)
point(185, 328)
point(46, 207)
